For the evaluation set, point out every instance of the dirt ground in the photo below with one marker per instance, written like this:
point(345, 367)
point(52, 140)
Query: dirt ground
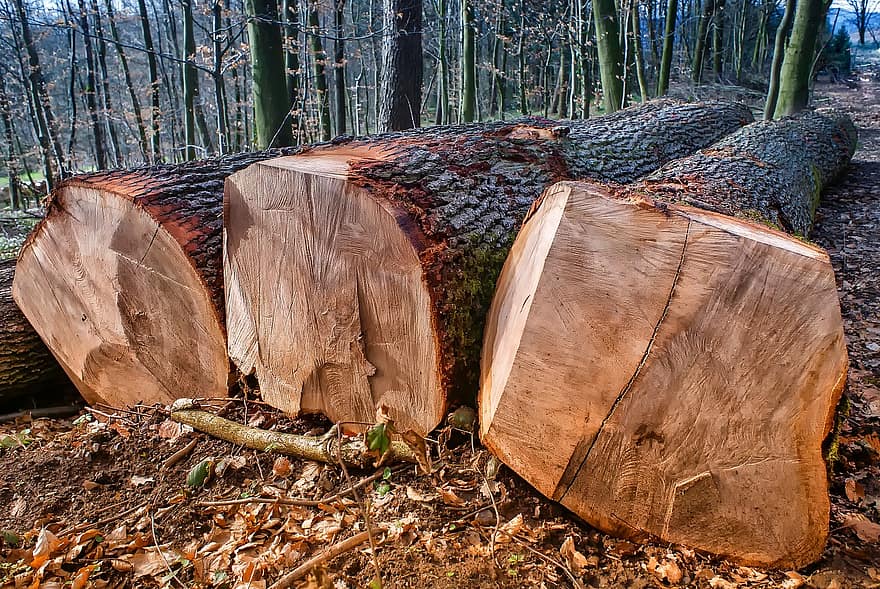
point(90, 502)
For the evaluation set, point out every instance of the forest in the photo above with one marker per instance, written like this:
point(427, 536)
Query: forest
point(97, 84)
point(434, 293)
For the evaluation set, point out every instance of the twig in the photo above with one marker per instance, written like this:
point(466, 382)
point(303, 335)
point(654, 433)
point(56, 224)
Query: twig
point(301, 502)
point(321, 449)
point(574, 581)
point(179, 455)
point(162, 554)
point(62, 411)
point(99, 523)
point(331, 553)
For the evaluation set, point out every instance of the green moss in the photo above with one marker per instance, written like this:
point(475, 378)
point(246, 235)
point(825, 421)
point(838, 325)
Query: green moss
point(465, 307)
point(831, 445)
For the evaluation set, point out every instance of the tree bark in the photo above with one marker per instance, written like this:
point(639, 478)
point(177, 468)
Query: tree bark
point(664, 361)
point(797, 66)
point(272, 124)
point(155, 106)
point(778, 52)
point(610, 55)
point(399, 240)
point(340, 94)
point(26, 365)
point(123, 280)
point(401, 103)
point(702, 37)
point(319, 68)
point(668, 45)
point(468, 63)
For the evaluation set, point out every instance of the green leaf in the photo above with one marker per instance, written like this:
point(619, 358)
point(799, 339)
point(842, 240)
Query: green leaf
point(198, 476)
point(383, 487)
point(10, 538)
point(377, 439)
point(386, 474)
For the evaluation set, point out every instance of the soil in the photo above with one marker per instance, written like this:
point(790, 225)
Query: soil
point(88, 501)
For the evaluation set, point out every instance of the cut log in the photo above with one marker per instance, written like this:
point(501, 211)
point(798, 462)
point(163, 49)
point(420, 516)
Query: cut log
point(26, 365)
point(666, 370)
point(359, 275)
point(123, 281)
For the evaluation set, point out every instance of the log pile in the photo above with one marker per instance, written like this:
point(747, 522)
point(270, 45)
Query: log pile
point(665, 358)
point(358, 275)
point(26, 365)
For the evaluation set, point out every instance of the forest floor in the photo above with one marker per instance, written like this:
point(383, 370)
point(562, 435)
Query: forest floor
point(88, 501)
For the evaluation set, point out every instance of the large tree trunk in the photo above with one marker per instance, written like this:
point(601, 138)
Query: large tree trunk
point(123, 281)
point(401, 91)
point(359, 275)
point(26, 365)
point(271, 102)
point(663, 361)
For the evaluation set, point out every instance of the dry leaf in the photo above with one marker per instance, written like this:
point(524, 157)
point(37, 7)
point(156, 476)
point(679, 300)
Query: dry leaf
point(719, 583)
point(450, 498)
point(865, 529)
point(854, 490)
point(793, 581)
point(576, 561)
point(417, 444)
point(47, 543)
point(414, 495)
point(281, 467)
point(668, 569)
point(510, 529)
point(137, 481)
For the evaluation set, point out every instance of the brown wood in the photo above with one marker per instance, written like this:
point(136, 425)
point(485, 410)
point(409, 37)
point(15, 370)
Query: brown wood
point(123, 281)
point(359, 274)
point(670, 371)
point(26, 365)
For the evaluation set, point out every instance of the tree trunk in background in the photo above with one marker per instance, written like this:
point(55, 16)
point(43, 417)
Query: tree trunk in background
point(794, 78)
point(778, 53)
point(668, 46)
point(700, 45)
point(271, 102)
point(443, 113)
point(637, 50)
point(217, 75)
point(292, 27)
point(468, 63)
point(339, 66)
point(105, 85)
point(190, 82)
point(91, 90)
point(72, 94)
point(718, 39)
point(155, 106)
point(401, 91)
point(410, 231)
point(43, 108)
point(624, 312)
point(319, 68)
point(8, 134)
point(523, 93)
point(610, 56)
point(135, 103)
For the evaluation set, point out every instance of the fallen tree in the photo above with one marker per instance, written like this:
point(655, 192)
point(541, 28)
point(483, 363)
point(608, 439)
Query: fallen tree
point(26, 365)
point(358, 275)
point(123, 281)
point(664, 361)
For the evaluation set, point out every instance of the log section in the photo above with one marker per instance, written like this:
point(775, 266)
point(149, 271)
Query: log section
point(664, 369)
point(26, 365)
point(359, 275)
point(123, 281)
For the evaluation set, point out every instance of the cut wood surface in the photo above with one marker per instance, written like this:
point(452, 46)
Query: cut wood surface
point(26, 365)
point(664, 369)
point(359, 274)
point(123, 281)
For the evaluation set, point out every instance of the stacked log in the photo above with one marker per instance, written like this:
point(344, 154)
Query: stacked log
point(26, 365)
point(123, 281)
point(665, 358)
point(358, 275)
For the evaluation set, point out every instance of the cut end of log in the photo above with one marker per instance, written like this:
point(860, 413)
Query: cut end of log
point(118, 301)
point(326, 299)
point(668, 371)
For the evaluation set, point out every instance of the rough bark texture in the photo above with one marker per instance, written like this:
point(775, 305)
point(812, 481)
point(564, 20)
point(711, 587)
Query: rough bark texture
point(459, 194)
point(72, 298)
point(771, 172)
point(26, 365)
point(663, 361)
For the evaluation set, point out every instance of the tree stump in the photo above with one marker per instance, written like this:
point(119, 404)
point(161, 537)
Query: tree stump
point(358, 275)
point(664, 361)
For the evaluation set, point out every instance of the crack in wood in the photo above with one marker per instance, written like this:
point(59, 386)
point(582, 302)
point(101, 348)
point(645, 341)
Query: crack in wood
point(567, 480)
